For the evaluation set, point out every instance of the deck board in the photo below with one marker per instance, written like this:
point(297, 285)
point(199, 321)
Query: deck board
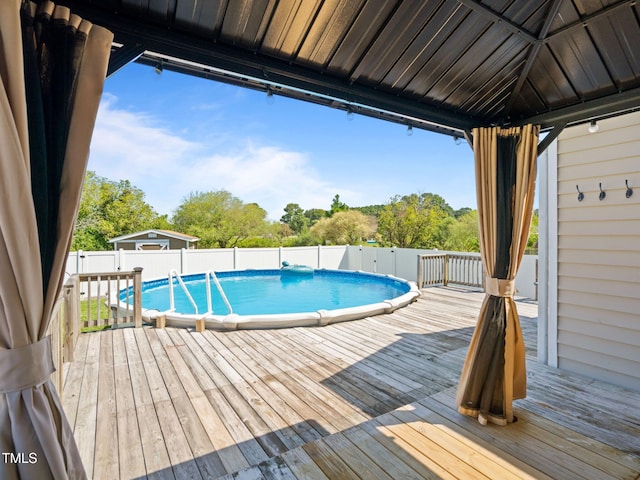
point(86, 415)
point(106, 458)
point(371, 398)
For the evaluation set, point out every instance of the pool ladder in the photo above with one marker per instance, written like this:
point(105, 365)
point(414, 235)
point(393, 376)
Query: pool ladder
point(208, 276)
point(212, 275)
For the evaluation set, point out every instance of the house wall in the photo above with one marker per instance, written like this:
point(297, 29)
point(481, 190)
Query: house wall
point(598, 251)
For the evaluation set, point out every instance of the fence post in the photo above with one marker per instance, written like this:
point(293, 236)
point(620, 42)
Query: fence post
point(183, 261)
point(392, 252)
point(420, 271)
point(121, 261)
point(137, 296)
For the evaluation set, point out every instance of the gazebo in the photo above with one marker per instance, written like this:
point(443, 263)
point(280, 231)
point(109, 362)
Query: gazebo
point(494, 73)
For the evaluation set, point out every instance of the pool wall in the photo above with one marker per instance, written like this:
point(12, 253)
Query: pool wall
point(317, 318)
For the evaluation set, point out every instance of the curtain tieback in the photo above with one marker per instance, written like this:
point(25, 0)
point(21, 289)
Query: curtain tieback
point(26, 366)
point(499, 287)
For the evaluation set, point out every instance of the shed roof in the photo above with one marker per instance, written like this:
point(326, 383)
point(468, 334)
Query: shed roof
point(166, 233)
point(442, 65)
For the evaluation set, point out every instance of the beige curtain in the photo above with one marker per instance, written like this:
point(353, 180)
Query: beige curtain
point(494, 372)
point(43, 152)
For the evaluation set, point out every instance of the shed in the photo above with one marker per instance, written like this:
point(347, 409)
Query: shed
point(154, 239)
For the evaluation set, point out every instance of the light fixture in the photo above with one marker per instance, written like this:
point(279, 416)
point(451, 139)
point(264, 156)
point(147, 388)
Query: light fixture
point(159, 67)
point(457, 140)
point(270, 98)
point(593, 126)
point(603, 194)
point(350, 114)
point(409, 130)
point(629, 191)
point(580, 194)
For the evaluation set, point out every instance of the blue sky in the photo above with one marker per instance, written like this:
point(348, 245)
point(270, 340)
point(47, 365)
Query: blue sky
point(173, 134)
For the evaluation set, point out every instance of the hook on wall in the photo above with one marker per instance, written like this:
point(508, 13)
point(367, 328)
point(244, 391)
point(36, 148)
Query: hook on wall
point(580, 194)
point(629, 191)
point(602, 193)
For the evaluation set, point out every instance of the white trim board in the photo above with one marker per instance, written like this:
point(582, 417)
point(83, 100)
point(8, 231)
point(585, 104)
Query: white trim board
point(548, 257)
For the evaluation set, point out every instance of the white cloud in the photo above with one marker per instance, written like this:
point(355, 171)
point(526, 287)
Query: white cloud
point(132, 144)
point(167, 166)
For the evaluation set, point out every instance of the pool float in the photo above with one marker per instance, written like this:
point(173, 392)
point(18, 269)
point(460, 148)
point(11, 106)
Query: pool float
point(295, 269)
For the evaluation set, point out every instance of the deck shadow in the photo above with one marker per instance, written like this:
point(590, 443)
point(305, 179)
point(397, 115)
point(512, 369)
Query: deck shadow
point(261, 453)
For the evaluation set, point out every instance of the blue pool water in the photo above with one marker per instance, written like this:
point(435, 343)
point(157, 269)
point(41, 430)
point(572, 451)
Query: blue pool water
point(256, 292)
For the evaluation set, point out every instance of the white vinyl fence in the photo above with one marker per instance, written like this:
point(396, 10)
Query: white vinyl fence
point(399, 262)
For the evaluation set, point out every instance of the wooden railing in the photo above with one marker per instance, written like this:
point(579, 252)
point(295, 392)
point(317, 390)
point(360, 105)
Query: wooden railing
point(98, 299)
point(431, 269)
point(450, 269)
point(92, 301)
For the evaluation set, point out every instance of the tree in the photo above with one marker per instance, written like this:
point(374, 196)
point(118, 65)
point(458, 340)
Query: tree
point(295, 218)
point(109, 209)
point(249, 221)
point(348, 227)
point(304, 240)
point(219, 219)
point(430, 200)
point(401, 222)
point(370, 210)
point(414, 221)
point(463, 234)
point(437, 231)
point(532, 241)
point(337, 206)
point(315, 214)
point(462, 211)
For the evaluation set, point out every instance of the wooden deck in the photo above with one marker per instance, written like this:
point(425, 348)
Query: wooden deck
point(368, 399)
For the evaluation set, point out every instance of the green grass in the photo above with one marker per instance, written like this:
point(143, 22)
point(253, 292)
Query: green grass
point(94, 329)
point(91, 307)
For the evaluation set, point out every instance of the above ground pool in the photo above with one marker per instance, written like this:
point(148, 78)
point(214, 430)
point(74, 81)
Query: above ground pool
point(271, 298)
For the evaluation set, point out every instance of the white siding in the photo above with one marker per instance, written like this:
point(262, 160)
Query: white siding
point(599, 251)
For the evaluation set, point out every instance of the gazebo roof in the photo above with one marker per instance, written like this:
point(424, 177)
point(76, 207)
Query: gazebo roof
point(442, 65)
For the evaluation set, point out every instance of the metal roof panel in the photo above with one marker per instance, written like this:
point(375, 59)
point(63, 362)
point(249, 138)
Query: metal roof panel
point(358, 38)
point(617, 38)
point(445, 64)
